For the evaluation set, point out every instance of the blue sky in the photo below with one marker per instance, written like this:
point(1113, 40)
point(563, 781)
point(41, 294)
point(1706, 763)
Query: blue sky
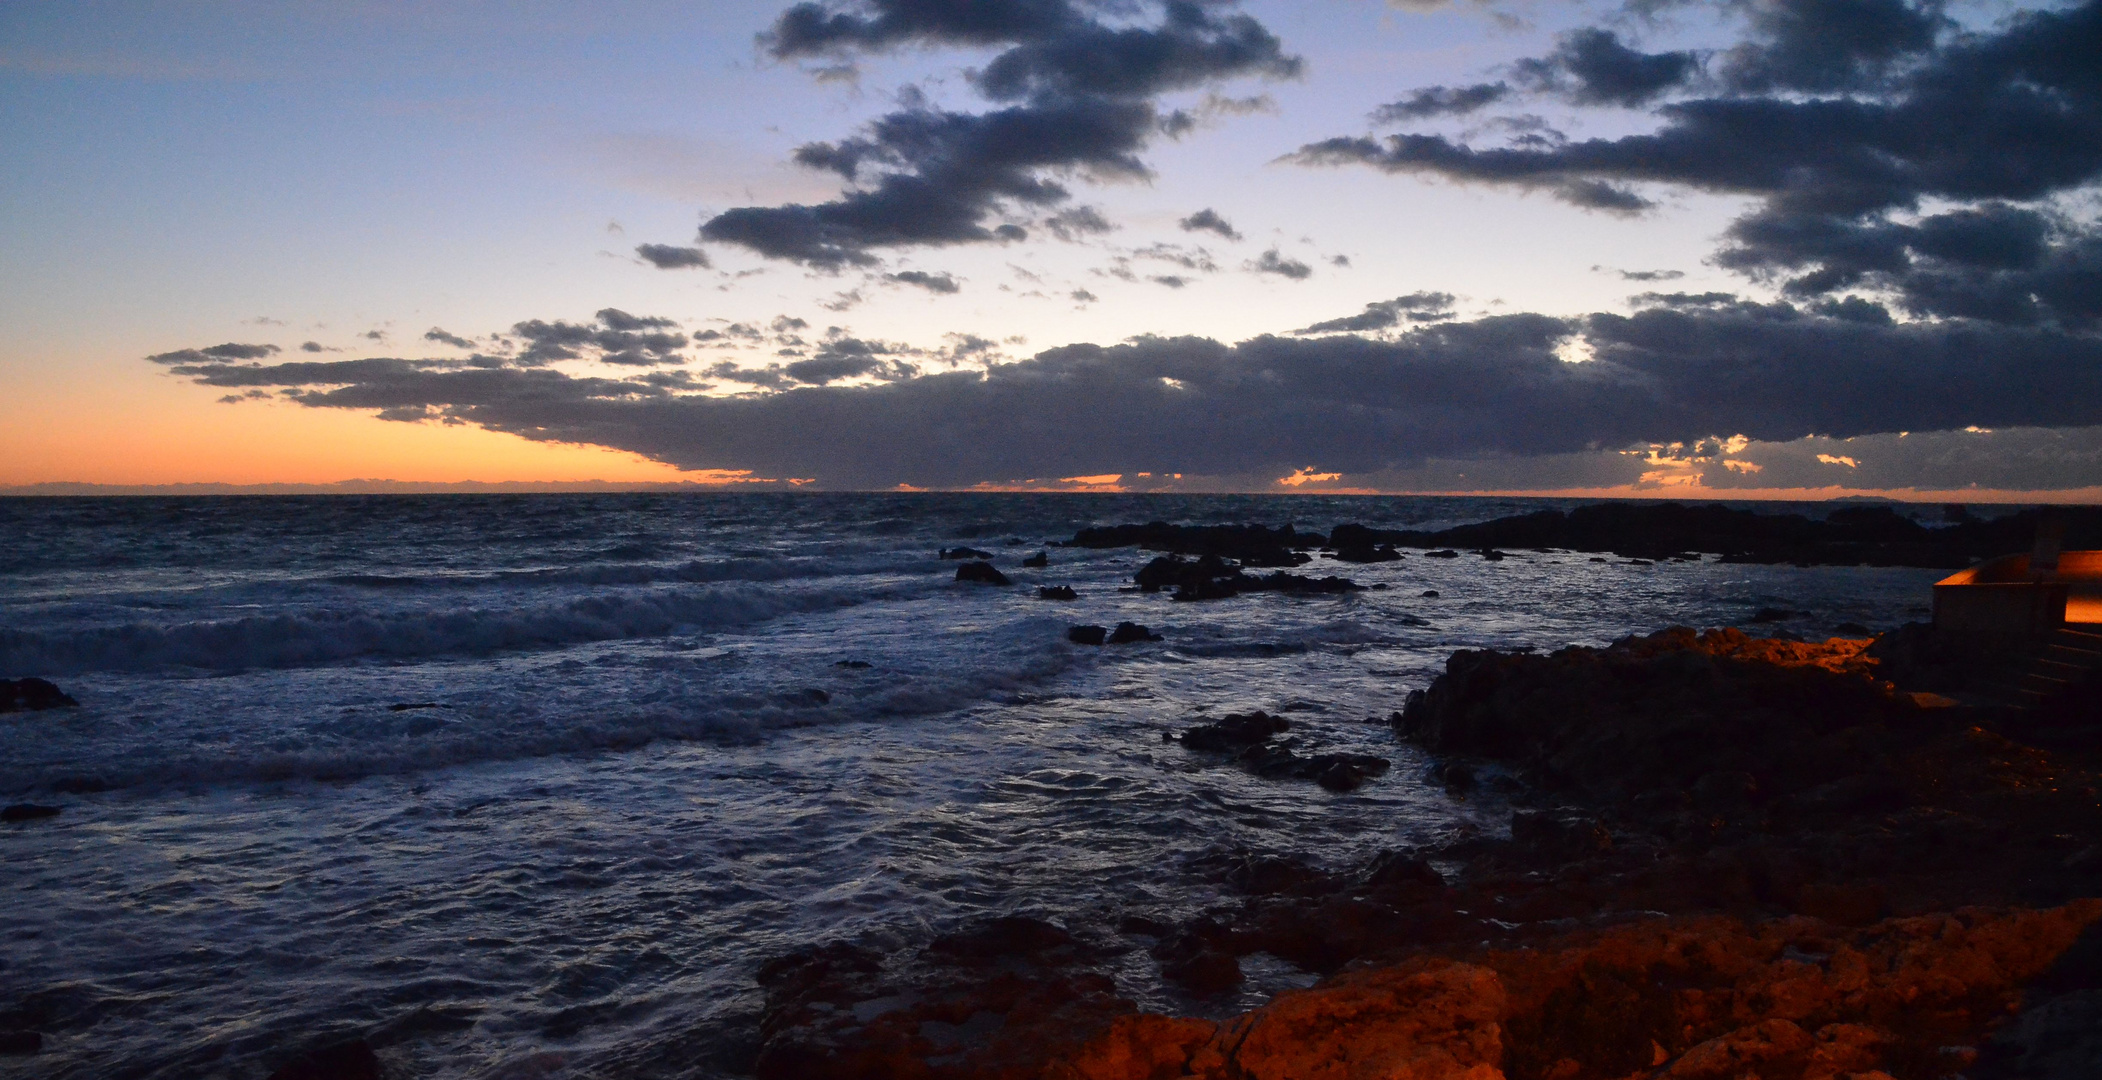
point(356, 175)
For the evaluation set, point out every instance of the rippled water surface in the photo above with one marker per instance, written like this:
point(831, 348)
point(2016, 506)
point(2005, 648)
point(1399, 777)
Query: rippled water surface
point(638, 763)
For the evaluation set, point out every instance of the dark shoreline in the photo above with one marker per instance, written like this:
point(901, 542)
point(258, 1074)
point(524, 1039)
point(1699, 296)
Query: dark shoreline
point(1730, 856)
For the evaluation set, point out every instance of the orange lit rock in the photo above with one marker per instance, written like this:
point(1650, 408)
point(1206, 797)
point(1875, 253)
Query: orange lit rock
point(1427, 1021)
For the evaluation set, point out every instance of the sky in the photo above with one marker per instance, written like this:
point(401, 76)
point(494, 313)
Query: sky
point(1753, 248)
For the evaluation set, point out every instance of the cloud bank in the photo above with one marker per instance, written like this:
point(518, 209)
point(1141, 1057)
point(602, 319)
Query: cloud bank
point(1683, 370)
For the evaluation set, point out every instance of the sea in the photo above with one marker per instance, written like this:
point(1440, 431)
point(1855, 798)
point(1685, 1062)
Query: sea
point(523, 786)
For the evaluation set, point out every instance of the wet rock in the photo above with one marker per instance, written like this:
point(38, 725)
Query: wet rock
point(1056, 592)
point(27, 812)
point(1235, 732)
point(32, 694)
point(1087, 635)
point(1128, 632)
point(1433, 1020)
point(982, 573)
point(965, 553)
point(1213, 578)
point(1430, 594)
point(1040, 559)
point(352, 1060)
point(857, 665)
point(1442, 553)
point(1396, 870)
point(1564, 835)
point(1006, 936)
point(1198, 959)
point(1492, 555)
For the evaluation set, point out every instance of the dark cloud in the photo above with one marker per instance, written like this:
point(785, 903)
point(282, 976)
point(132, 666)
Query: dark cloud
point(1441, 101)
point(1381, 314)
point(1686, 369)
point(1845, 117)
point(616, 338)
point(1591, 67)
point(1077, 223)
point(1173, 281)
point(934, 283)
point(1826, 45)
point(1271, 262)
point(1083, 296)
point(229, 351)
point(1076, 97)
point(1208, 220)
point(673, 257)
point(1647, 275)
point(439, 335)
point(311, 346)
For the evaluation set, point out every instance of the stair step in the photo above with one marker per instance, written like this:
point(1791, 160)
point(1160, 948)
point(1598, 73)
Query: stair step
point(2061, 668)
point(2079, 635)
point(2073, 656)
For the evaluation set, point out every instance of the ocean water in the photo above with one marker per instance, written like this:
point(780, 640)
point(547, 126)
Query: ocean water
point(652, 740)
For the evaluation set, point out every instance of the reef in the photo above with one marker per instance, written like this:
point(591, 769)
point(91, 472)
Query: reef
point(1728, 857)
point(1849, 536)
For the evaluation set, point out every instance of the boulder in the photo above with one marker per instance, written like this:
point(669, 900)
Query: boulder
point(1235, 732)
point(1087, 635)
point(1038, 560)
point(1128, 632)
point(982, 573)
point(1056, 592)
point(32, 694)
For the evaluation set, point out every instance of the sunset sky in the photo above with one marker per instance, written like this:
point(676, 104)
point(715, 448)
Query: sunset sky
point(1742, 248)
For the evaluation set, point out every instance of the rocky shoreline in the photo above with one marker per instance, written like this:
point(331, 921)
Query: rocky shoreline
point(1729, 856)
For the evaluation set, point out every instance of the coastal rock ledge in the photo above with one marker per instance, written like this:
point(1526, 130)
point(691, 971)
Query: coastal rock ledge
point(1729, 857)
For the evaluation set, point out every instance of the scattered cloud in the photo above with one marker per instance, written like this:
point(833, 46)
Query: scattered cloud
point(934, 283)
point(1379, 315)
point(1072, 95)
point(670, 257)
point(437, 334)
point(1271, 262)
point(1208, 220)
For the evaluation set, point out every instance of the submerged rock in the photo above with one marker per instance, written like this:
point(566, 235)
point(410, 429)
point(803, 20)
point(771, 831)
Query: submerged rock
point(1235, 732)
point(28, 812)
point(1087, 635)
point(1038, 560)
point(965, 553)
point(1246, 738)
point(32, 694)
point(982, 573)
point(352, 1060)
point(1056, 592)
point(1128, 632)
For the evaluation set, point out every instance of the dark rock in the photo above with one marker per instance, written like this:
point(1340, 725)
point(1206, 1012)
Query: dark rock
point(1011, 935)
point(407, 706)
point(1492, 555)
point(1056, 592)
point(1128, 632)
point(1213, 578)
point(1235, 732)
point(1358, 544)
point(1087, 635)
point(981, 572)
point(1442, 553)
point(353, 1060)
point(20, 1042)
point(1203, 970)
point(857, 665)
point(1430, 594)
point(1560, 834)
point(32, 694)
point(1346, 772)
point(27, 812)
point(1394, 870)
point(965, 553)
point(1855, 535)
point(1852, 628)
point(1040, 559)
